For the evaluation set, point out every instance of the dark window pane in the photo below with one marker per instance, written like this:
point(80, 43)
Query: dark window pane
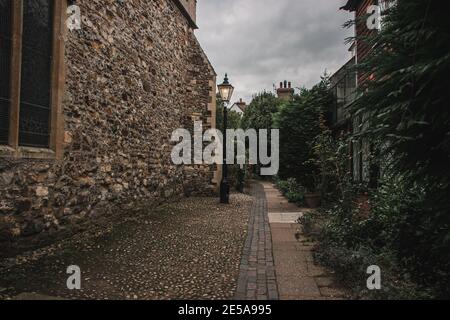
point(5, 67)
point(36, 66)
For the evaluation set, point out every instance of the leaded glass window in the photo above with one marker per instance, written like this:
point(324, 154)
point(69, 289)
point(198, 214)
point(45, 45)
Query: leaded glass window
point(34, 128)
point(31, 77)
point(5, 67)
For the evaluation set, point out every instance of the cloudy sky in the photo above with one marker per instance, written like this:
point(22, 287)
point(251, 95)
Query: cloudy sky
point(262, 42)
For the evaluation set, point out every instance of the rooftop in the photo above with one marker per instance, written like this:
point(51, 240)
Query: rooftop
point(351, 5)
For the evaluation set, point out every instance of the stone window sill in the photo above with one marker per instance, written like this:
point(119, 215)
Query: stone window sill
point(27, 153)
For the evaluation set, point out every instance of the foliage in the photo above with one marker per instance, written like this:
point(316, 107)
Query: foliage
point(351, 265)
point(349, 246)
point(234, 118)
point(406, 102)
point(258, 115)
point(332, 157)
point(299, 124)
point(407, 118)
point(404, 107)
point(292, 190)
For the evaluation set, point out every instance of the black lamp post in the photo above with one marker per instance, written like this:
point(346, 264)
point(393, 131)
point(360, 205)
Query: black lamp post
point(226, 92)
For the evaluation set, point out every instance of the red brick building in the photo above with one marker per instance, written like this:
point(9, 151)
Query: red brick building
point(346, 81)
point(368, 20)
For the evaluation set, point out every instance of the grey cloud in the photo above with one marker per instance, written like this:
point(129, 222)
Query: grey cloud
point(262, 42)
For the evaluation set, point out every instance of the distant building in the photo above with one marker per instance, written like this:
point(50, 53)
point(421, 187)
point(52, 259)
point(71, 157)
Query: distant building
point(239, 107)
point(285, 92)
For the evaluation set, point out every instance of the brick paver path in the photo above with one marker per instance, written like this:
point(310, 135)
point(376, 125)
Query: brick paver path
point(257, 278)
point(298, 277)
point(277, 261)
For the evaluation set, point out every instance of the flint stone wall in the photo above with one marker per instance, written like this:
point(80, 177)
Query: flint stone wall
point(134, 73)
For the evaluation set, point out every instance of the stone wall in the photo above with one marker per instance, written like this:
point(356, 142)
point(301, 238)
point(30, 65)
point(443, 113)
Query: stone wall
point(134, 73)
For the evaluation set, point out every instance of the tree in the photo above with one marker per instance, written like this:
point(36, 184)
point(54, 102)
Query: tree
point(259, 114)
point(300, 123)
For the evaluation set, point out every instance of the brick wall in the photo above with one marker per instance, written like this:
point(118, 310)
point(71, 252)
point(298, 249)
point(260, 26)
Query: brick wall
point(363, 48)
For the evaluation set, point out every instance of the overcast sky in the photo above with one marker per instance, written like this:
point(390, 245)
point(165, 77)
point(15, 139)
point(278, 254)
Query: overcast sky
point(262, 42)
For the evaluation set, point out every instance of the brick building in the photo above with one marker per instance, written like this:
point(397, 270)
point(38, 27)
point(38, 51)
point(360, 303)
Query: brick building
point(86, 116)
point(345, 83)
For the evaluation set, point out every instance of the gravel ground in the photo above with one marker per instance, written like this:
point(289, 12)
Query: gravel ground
point(186, 250)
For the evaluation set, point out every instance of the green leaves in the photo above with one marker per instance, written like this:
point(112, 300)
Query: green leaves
point(299, 124)
point(408, 119)
point(259, 113)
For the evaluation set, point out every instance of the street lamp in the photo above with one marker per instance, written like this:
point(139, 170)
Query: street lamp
point(226, 92)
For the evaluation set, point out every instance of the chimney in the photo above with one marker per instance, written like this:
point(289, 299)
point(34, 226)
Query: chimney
point(241, 104)
point(285, 92)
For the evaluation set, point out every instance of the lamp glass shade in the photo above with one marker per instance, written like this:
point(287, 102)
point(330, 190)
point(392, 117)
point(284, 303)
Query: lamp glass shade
point(226, 90)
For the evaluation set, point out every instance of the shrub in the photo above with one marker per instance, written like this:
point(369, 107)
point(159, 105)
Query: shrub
point(292, 190)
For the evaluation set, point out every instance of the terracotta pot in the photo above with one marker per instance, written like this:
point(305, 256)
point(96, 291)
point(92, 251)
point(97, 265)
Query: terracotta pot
point(313, 200)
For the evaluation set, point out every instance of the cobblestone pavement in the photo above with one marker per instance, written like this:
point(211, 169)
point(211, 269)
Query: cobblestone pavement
point(187, 250)
point(252, 249)
point(298, 277)
point(257, 280)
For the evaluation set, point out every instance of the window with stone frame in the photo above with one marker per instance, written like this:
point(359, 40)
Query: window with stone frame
point(31, 62)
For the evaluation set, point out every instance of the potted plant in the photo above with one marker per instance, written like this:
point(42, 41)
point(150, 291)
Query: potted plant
point(313, 199)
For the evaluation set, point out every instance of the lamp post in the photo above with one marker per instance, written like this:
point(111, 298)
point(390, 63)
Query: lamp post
point(226, 92)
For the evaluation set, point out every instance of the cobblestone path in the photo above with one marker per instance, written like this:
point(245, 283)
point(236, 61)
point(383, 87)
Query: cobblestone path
point(186, 250)
point(252, 249)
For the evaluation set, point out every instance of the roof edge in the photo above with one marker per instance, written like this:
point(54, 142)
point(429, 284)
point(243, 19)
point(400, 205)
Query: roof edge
point(351, 5)
point(186, 14)
point(213, 71)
